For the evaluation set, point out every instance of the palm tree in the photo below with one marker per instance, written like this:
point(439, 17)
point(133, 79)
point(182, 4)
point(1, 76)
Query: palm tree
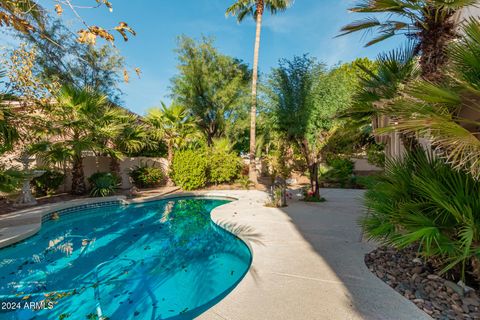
point(174, 125)
point(379, 86)
point(430, 23)
point(81, 120)
point(9, 133)
point(447, 115)
point(131, 137)
point(255, 8)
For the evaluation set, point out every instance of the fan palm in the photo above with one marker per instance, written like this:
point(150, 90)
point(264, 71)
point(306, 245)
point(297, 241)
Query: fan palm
point(8, 131)
point(447, 115)
point(129, 137)
point(174, 125)
point(9, 179)
point(422, 200)
point(81, 121)
point(431, 23)
point(255, 8)
point(393, 70)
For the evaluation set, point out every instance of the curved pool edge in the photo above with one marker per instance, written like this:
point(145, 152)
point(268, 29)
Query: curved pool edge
point(22, 224)
point(43, 213)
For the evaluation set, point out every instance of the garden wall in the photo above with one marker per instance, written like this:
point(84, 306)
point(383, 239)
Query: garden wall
point(363, 166)
point(94, 164)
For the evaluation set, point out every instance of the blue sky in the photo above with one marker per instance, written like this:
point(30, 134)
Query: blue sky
point(309, 26)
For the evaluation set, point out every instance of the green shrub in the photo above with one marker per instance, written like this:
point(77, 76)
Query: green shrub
point(147, 177)
point(366, 182)
point(340, 171)
point(223, 167)
point(376, 155)
point(342, 166)
point(244, 182)
point(103, 184)
point(308, 196)
point(422, 200)
point(10, 180)
point(47, 183)
point(189, 169)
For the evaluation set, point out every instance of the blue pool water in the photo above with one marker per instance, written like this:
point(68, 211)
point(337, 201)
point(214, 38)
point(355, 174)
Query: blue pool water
point(158, 260)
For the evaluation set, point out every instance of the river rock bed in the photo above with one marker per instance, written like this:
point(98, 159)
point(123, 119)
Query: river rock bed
point(404, 271)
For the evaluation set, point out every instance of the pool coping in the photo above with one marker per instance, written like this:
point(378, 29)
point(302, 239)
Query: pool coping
point(22, 224)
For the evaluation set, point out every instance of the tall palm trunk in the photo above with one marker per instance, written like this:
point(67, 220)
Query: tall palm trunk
point(78, 177)
point(170, 182)
point(252, 173)
point(434, 40)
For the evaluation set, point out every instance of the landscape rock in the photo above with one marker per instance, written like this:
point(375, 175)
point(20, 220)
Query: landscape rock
point(409, 275)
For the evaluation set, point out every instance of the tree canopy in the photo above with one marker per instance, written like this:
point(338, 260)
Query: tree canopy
point(212, 85)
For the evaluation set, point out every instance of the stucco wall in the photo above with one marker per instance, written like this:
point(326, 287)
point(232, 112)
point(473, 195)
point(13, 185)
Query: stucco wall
point(362, 165)
point(92, 165)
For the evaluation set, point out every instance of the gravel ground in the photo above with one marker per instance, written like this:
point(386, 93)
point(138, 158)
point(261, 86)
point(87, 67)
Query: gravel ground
point(407, 274)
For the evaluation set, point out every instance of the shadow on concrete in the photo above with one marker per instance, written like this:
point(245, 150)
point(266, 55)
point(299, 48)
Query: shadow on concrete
point(331, 228)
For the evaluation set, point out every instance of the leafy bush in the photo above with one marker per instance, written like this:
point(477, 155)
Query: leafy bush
point(103, 184)
point(189, 169)
point(147, 177)
point(223, 167)
point(309, 196)
point(340, 171)
point(244, 182)
point(10, 180)
point(422, 200)
point(278, 197)
point(47, 183)
point(366, 182)
point(376, 155)
point(342, 166)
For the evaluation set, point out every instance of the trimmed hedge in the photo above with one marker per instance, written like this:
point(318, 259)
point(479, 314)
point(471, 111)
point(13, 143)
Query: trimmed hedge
point(189, 169)
point(194, 169)
point(224, 167)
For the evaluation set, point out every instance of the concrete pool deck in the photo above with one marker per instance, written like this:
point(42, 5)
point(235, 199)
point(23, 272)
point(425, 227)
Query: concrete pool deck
point(308, 263)
point(307, 258)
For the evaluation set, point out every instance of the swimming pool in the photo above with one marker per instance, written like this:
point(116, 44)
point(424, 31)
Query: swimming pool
point(158, 260)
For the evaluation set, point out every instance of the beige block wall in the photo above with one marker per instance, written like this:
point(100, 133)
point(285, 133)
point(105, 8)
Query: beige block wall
point(362, 165)
point(94, 164)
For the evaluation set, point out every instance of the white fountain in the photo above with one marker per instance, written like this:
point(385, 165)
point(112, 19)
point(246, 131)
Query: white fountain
point(26, 197)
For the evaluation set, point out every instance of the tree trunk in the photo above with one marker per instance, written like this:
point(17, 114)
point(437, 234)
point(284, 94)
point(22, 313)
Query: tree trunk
point(252, 173)
point(115, 166)
point(433, 45)
point(209, 140)
point(314, 183)
point(170, 182)
point(78, 177)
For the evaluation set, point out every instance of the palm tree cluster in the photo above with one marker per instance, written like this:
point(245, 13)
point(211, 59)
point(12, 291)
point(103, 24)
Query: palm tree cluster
point(432, 93)
point(429, 92)
point(174, 125)
point(430, 24)
point(82, 121)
